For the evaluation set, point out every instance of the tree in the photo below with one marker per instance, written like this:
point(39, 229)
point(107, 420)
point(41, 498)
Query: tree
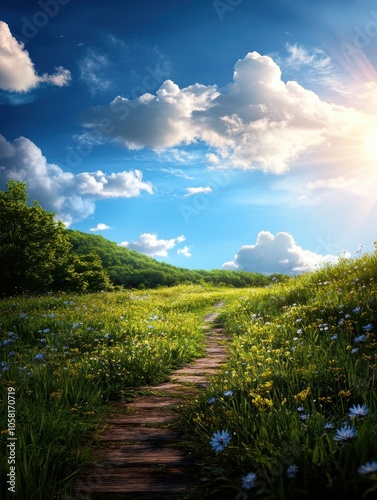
point(35, 251)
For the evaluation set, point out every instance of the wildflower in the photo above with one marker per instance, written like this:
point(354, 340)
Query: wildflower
point(356, 310)
point(334, 337)
point(106, 336)
point(329, 425)
point(23, 315)
point(11, 354)
point(344, 433)
point(38, 357)
point(220, 440)
point(46, 330)
point(228, 393)
point(4, 366)
point(305, 416)
point(368, 468)
point(367, 327)
point(300, 408)
point(360, 338)
point(211, 400)
point(292, 471)
point(354, 350)
point(249, 481)
point(75, 325)
point(358, 411)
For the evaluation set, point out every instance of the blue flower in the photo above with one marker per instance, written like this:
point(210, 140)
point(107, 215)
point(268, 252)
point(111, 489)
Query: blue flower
point(354, 350)
point(220, 440)
point(360, 338)
point(249, 480)
point(228, 393)
point(305, 416)
point(292, 471)
point(358, 411)
point(368, 327)
point(368, 468)
point(344, 433)
point(334, 337)
point(4, 366)
point(329, 425)
point(38, 357)
point(356, 310)
point(11, 354)
point(211, 400)
point(300, 408)
point(106, 336)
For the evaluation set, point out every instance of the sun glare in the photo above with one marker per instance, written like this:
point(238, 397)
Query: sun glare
point(370, 145)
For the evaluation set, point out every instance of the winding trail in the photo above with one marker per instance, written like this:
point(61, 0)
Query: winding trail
point(140, 455)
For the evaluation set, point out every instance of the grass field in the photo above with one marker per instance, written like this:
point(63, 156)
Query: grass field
point(292, 415)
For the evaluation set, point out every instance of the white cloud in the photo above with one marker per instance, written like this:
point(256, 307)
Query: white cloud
point(190, 191)
point(149, 244)
point(276, 254)
point(177, 172)
point(93, 71)
point(72, 197)
point(184, 251)
point(257, 121)
point(100, 227)
point(17, 72)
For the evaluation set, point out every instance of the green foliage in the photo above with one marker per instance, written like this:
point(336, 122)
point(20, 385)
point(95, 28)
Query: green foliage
point(68, 355)
point(301, 354)
point(35, 251)
point(134, 270)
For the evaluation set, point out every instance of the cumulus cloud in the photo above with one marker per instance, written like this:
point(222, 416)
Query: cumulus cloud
point(72, 197)
point(184, 251)
point(149, 244)
point(276, 254)
point(100, 227)
point(257, 121)
point(190, 191)
point(17, 72)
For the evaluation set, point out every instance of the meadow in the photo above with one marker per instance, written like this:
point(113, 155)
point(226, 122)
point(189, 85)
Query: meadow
point(293, 413)
point(67, 357)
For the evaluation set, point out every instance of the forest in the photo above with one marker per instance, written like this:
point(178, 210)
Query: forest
point(38, 254)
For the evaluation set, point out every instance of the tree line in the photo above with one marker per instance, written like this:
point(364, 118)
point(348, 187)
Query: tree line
point(38, 254)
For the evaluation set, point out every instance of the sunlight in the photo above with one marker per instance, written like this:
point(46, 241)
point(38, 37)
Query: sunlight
point(370, 145)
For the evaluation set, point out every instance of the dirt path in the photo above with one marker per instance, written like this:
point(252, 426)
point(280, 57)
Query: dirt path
point(139, 454)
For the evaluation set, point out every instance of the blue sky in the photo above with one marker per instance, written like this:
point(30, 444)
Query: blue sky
point(208, 134)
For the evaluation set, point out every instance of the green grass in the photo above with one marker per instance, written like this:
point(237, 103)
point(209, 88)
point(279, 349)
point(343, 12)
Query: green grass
point(93, 349)
point(301, 354)
point(295, 368)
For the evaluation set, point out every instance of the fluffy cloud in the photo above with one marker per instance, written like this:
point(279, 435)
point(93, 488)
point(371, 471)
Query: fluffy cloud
point(276, 254)
point(149, 244)
point(71, 197)
point(184, 251)
point(197, 190)
point(257, 121)
point(17, 72)
point(100, 227)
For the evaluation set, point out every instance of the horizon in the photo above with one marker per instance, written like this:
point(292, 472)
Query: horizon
point(207, 135)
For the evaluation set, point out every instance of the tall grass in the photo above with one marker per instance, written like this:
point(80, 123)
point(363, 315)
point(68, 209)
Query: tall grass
point(301, 354)
point(68, 355)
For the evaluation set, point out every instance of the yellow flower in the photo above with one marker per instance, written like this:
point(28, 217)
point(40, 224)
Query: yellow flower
point(301, 396)
point(261, 403)
point(344, 394)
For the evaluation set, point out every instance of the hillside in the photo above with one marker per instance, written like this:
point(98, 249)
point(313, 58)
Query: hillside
point(135, 270)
